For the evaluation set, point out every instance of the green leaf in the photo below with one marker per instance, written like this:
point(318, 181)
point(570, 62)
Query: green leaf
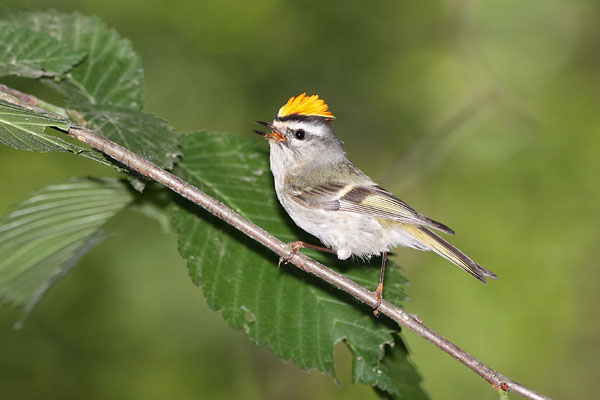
point(33, 54)
point(24, 129)
point(398, 373)
point(110, 74)
point(43, 236)
point(296, 315)
point(106, 88)
point(144, 134)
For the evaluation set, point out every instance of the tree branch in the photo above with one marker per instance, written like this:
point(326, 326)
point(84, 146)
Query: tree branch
point(303, 262)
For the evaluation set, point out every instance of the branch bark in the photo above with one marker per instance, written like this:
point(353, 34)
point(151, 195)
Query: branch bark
point(303, 262)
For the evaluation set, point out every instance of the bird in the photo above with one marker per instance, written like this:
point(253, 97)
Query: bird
point(331, 199)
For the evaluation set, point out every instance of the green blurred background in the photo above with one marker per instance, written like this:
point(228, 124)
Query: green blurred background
point(484, 115)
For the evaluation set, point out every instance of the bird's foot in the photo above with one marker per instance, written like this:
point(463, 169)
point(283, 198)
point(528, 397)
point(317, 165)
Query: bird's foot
point(297, 245)
point(378, 297)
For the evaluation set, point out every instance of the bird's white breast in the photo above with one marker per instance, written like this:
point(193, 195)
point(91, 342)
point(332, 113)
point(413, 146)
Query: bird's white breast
point(347, 233)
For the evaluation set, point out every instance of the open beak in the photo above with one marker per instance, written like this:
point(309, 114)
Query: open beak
point(272, 136)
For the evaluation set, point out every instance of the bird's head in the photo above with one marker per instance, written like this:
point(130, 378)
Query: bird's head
point(302, 132)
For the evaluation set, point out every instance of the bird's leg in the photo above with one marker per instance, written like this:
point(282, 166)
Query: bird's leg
point(379, 289)
point(297, 245)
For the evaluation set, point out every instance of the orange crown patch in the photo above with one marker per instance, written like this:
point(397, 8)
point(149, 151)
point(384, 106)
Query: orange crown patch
point(305, 105)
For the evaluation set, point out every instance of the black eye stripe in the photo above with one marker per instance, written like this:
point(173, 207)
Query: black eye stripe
point(299, 134)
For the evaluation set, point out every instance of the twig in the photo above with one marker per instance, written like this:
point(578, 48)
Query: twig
point(29, 101)
point(303, 262)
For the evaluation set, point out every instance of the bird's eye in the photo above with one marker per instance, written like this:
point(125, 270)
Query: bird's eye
point(300, 134)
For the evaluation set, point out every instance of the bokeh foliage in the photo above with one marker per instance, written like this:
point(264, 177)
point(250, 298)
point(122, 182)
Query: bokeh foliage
point(481, 114)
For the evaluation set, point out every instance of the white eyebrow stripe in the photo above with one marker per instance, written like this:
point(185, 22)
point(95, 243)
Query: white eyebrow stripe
point(294, 125)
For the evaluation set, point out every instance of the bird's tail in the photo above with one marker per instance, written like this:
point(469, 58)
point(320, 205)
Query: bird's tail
point(449, 252)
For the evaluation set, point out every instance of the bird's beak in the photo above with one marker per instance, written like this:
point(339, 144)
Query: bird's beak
point(273, 136)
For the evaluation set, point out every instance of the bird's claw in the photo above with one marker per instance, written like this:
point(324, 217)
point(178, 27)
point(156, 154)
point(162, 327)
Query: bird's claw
point(295, 247)
point(378, 297)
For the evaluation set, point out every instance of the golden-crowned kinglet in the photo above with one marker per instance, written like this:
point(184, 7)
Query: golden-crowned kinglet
point(333, 200)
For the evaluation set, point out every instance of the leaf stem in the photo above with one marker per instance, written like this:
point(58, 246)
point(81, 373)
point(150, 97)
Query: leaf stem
point(303, 262)
point(502, 392)
point(26, 100)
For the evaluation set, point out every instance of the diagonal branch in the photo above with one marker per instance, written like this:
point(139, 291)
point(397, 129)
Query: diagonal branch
point(303, 262)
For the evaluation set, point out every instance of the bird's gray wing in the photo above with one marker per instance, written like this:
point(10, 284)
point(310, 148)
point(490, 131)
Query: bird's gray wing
point(366, 199)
